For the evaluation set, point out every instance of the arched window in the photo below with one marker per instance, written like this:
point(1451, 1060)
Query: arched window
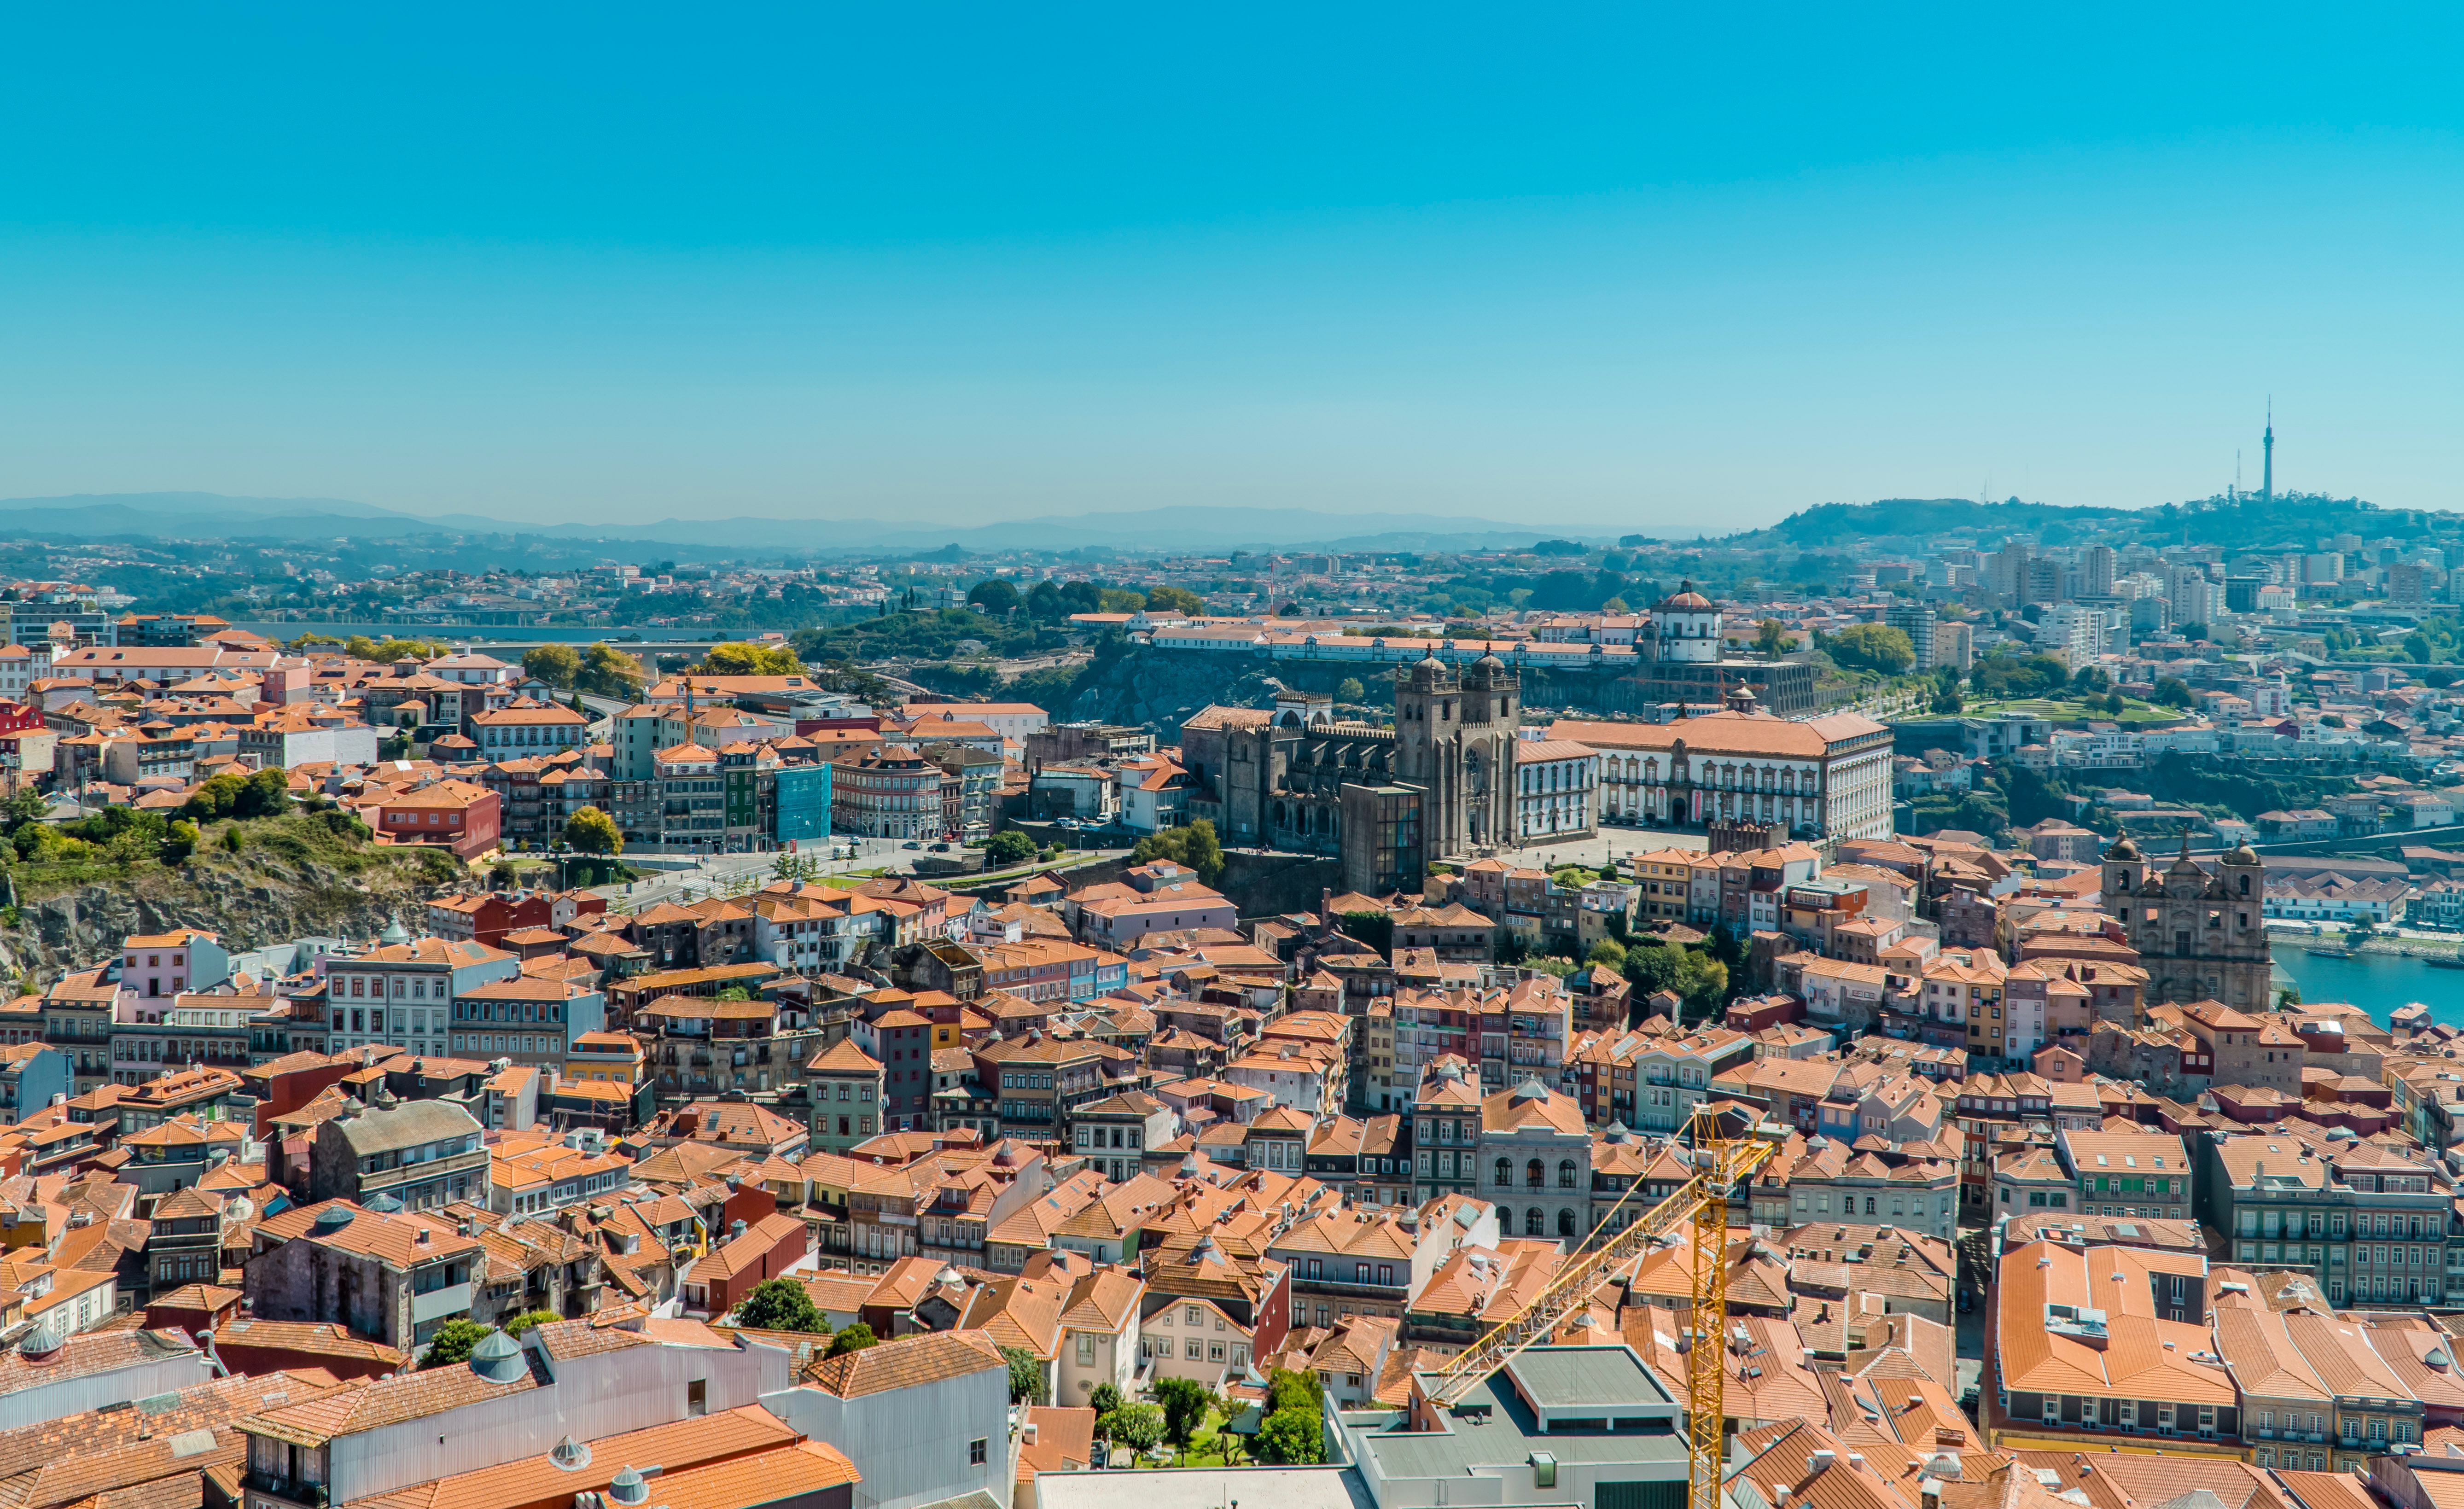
point(1536, 1222)
point(1505, 1173)
point(1565, 1173)
point(2245, 885)
point(1534, 1175)
point(1565, 1223)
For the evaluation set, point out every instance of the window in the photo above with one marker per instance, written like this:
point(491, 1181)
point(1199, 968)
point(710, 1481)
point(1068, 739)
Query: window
point(1505, 1173)
point(697, 1397)
point(976, 1452)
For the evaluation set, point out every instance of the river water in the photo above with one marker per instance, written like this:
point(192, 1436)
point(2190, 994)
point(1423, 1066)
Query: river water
point(2377, 983)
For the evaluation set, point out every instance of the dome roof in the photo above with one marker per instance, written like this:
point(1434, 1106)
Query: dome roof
point(2123, 849)
point(498, 1358)
point(1685, 599)
point(1427, 671)
point(395, 932)
point(2242, 854)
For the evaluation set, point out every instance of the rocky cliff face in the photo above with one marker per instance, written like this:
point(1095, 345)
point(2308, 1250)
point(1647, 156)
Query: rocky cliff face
point(1159, 687)
point(247, 901)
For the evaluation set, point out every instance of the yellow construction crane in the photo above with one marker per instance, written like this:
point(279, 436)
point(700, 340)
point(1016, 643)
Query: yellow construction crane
point(1730, 1145)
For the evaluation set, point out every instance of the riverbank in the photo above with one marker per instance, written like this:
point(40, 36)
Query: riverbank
point(2337, 948)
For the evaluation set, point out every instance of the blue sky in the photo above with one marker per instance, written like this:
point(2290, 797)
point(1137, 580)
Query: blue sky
point(1612, 267)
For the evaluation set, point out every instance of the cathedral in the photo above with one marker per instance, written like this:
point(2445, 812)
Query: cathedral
point(2200, 934)
point(1279, 777)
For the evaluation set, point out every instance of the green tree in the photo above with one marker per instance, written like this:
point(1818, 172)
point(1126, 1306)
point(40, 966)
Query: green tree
point(855, 1338)
point(1287, 1389)
point(1133, 1427)
point(1653, 967)
point(1608, 952)
point(267, 794)
point(179, 840)
point(529, 1318)
point(1185, 1402)
point(556, 665)
point(453, 1342)
point(1176, 600)
point(592, 831)
point(737, 658)
point(1703, 982)
point(995, 597)
point(1027, 1379)
point(1946, 699)
point(2173, 691)
point(216, 798)
point(1293, 1432)
point(1106, 1399)
point(1872, 646)
point(781, 1304)
point(1192, 845)
point(608, 672)
point(1119, 599)
point(2005, 675)
point(25, 805)
point(1008, 846)
point(1772, 638)
point(1045, 601)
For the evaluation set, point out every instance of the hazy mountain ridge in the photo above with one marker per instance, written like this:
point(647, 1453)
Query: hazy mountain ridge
point(206, 515)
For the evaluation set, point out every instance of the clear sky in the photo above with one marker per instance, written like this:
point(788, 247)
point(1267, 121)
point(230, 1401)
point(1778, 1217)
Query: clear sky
point(1620, 267)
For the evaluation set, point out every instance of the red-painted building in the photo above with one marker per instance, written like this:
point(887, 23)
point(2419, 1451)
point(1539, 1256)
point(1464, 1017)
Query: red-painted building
point(447, 814)
point(283, 1085)
point(719, 1278)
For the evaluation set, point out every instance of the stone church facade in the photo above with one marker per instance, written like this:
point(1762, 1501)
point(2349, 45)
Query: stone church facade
point(1278, 775)
point(2200, 932)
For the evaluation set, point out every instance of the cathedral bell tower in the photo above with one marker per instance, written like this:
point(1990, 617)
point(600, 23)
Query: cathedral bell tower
point(1454, 738)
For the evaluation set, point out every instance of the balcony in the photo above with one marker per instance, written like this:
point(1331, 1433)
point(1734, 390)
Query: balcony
point(289, 1490)
point(1393, 1292)
point(454, 1298)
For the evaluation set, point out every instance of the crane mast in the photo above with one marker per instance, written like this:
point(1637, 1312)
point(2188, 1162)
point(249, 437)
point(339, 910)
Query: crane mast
point(1727, 1151)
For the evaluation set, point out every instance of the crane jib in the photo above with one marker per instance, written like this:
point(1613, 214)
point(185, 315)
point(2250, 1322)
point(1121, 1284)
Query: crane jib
point(1723, 1163)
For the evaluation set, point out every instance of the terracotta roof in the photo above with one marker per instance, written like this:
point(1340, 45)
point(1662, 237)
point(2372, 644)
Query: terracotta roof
point(906, 1363)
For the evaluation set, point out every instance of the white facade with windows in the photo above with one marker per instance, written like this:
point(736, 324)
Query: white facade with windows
point(1556, 789)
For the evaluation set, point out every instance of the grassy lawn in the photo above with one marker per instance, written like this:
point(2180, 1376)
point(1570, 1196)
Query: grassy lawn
point(1207, 1444)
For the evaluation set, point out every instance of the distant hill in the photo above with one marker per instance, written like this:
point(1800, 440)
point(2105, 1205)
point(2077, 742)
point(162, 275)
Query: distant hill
point(193, 515)
point(1827, 523)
